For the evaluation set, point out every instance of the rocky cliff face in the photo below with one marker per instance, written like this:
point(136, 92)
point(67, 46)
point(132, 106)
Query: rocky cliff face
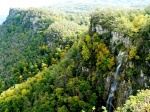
point(134, 73)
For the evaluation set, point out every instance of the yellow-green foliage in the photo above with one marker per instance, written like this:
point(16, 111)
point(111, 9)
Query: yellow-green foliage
point(104, 60)
point(138, 22)
point(85, 52)
point(132, 53)
point(36, 37)
point(76, 82)
point(94, 48)
point(127, 22)
point(148, 57)
point(64, 31)
point(138, 103)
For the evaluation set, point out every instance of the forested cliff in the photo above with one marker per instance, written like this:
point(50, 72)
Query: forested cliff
point(32, 39)
point(52, 61)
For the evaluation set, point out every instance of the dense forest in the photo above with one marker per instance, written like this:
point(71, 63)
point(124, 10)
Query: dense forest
point(52, 61)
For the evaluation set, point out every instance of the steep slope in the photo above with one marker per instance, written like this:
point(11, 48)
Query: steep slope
point(130, 44)
point(102, 68)
point(20, 35)
point(24, 47)
point(62, 87)
point(74, 84)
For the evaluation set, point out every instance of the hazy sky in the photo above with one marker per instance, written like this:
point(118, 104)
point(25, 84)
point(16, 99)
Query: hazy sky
point(6, 4)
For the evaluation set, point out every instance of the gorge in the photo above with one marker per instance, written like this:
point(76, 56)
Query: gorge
point(52, 61)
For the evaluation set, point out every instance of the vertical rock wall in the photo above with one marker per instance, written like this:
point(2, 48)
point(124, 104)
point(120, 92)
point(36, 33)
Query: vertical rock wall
point(126, 86)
